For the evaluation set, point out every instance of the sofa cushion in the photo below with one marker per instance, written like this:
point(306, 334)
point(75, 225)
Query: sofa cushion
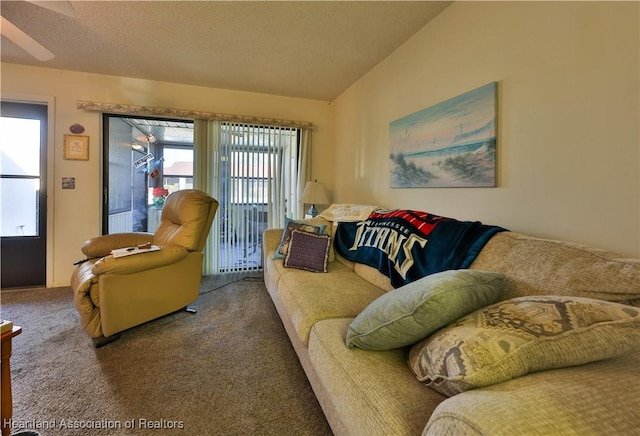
point(310, 297)
point(370, 274)
point(535, 266)
point(598, 398)
point(373, 391)
point(308, 251)
point(523, 335)
point(412, 312)
point(291, 225)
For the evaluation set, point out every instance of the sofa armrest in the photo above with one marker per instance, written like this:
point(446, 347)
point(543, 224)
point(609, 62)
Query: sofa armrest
point(102, 245)
point(271, 239)
point(140, 262)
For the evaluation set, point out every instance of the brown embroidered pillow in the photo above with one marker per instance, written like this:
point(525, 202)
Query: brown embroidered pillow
point(308, 251)
point(291, 225)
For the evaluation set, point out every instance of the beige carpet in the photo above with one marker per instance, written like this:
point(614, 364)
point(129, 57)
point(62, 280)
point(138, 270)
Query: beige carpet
point(227, 370)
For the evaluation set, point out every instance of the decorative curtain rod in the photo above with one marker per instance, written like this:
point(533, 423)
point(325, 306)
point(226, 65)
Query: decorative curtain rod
point(149, 111)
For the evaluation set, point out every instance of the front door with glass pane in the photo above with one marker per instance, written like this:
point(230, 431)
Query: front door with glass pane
point(23, 200)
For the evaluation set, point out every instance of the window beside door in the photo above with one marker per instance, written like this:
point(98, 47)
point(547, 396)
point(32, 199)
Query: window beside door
point(177, 168)
point(20, 169)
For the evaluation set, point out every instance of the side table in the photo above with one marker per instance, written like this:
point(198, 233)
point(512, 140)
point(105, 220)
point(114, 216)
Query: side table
point(6, 408)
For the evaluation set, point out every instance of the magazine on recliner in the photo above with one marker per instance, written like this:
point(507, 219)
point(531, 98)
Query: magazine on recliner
point(130, 251)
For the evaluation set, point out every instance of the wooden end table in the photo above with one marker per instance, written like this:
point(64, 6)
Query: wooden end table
point(7, 404)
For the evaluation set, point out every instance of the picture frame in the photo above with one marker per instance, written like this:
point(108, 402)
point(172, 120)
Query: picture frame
point(76, 147)
point(448, 145)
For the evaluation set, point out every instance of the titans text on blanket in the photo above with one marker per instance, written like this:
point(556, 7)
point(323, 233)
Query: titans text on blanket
point(390, 238)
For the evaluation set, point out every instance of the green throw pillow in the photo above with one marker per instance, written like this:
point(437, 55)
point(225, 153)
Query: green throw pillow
point(412, 312)
point(523, 335)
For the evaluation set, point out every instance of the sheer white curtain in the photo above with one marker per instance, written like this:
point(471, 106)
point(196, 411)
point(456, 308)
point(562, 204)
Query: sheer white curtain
point(304, 169)
point(257, 173)
point(206, 177)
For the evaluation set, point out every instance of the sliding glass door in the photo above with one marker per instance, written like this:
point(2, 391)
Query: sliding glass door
point(252, 171)
point(145, 159)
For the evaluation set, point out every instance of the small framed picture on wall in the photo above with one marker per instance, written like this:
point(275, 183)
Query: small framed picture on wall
point(76, 147)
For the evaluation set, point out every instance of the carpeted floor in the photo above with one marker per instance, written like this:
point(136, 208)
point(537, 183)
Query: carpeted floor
point(227, 370)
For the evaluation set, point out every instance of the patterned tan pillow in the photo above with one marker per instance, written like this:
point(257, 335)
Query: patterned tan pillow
point(523, 335)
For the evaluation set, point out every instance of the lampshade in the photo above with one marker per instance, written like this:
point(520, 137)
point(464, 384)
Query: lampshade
point(313, 194)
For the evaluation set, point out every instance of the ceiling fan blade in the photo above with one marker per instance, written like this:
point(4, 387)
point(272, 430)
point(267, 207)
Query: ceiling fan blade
point(24, 41)
point(61, 7)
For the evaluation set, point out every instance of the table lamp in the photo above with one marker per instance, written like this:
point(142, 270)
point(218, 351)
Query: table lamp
point(313, 194)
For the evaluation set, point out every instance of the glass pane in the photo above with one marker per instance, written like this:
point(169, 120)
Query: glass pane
point(19, 203)
point(19, 146)
point(177, 161)
point(249, 191)
point(249, 164)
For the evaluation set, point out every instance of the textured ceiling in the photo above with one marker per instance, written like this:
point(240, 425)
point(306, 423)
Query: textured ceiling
point(307, 49)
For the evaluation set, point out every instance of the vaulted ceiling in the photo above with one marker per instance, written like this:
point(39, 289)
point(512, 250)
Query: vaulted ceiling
point(306, 49)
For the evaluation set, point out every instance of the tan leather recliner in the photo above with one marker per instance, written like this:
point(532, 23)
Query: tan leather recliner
point(114, 294)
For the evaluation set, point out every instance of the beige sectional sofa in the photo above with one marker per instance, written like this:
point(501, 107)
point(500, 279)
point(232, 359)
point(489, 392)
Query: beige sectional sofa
point(375, 392)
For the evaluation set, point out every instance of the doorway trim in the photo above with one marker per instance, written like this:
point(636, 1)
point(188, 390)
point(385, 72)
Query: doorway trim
point(49, 101)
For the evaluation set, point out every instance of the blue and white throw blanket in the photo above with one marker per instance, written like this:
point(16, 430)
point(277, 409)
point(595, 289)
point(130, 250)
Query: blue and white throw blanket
point(407, 245)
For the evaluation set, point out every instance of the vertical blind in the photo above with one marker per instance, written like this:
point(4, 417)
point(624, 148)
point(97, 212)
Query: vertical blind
point(253, 172)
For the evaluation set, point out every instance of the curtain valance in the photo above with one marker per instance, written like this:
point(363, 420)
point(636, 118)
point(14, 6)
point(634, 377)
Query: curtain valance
point(150, 111)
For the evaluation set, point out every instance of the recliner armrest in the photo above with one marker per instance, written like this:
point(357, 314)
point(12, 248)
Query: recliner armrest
point(140, 262)
point(102, 245)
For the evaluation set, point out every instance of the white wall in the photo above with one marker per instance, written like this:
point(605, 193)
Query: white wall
point(75, 215)
point(568, 132)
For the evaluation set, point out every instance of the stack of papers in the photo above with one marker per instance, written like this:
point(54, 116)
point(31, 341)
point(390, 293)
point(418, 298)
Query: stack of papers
point(130, 251)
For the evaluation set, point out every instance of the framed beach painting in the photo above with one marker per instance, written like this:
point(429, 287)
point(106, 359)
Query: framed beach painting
point(450, 144)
